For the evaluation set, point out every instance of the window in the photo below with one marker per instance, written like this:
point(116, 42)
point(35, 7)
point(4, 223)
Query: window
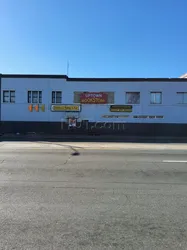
point(133, 97)
point(156, 97)
point(9, 96)
point(182, 97)
point(56, 97)
point(34, 96)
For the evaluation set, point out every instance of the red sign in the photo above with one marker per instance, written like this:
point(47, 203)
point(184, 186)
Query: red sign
point(93, 98)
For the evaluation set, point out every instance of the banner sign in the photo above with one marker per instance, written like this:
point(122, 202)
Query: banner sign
point(65, 108)
point(93, 98)
point(120, 108)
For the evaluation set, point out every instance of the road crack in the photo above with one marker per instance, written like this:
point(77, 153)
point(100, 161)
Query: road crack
point(67, 160)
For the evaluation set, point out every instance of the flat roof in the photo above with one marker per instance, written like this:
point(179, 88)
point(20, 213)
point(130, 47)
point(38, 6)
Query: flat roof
point(83, 79)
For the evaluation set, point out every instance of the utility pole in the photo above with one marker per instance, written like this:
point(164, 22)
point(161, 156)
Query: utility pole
point(67, 68)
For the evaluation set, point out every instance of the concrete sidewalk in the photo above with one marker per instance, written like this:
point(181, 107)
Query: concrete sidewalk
point(44, 145)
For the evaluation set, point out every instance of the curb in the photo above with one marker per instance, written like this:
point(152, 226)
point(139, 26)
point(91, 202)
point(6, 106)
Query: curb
point(89, 138)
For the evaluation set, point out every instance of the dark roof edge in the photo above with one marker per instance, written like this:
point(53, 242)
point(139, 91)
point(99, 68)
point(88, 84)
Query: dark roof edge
point(93, 79)
point(128, 79)
point(33, 76)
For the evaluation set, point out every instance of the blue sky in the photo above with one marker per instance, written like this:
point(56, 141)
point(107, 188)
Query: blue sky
point(100, 38)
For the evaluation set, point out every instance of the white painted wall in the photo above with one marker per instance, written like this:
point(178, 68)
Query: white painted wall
point(18, 111)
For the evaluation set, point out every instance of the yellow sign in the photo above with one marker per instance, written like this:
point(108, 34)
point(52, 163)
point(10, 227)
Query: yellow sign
point(30, 107)
point(65, 108)
point(42, 107)
point(36, 107)
point(120, 108)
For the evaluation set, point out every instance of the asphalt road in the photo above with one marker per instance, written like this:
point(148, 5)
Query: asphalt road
point(100, 199)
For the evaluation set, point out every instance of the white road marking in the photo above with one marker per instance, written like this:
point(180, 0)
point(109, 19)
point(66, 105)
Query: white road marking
point(174, 161)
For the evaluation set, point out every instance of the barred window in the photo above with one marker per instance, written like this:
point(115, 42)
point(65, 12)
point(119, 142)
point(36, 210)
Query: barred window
point(8, 96)
point(56, 97)
point(34, 96)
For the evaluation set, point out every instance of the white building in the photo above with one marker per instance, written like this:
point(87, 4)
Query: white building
point(44, 103)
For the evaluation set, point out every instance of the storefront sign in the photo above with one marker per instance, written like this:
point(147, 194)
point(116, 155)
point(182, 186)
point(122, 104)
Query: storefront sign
point(36, 107)
point(65, 108)
point(120, 108)
point(93, 98)
point(115, 116)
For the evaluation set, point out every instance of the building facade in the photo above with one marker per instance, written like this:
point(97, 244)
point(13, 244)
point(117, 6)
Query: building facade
point(56, 104)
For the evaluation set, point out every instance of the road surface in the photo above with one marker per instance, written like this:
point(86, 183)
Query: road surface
point(108, 197)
